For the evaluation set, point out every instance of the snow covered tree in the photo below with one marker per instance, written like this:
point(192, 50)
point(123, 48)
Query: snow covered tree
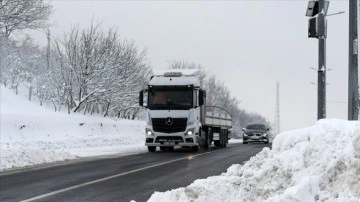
point(179, 64)
point(20, 61)
point(23, 14)
point(8, 61)
point(101, 73)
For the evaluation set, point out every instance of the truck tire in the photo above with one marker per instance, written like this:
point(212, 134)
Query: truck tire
point(207, 142)
point(224, 143)
point(195, 148)
point(202, 138)
point(225, 140)
point(151, 148)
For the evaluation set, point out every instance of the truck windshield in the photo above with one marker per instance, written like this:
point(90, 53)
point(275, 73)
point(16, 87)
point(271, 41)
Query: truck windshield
point(170, 98)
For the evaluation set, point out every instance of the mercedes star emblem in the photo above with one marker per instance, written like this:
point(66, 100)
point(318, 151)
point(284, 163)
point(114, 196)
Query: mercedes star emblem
point(169, 121)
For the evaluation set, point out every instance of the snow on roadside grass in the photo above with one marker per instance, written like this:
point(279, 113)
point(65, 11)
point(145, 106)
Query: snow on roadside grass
point(30, 134)
point(317, 163)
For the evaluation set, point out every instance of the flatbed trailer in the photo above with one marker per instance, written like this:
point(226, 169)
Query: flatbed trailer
point(219, 127)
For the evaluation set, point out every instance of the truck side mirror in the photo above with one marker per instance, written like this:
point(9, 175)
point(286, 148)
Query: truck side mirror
point(141, 98)
point(202, 95)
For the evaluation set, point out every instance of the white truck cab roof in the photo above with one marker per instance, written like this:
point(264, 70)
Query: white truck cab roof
point(175, 77)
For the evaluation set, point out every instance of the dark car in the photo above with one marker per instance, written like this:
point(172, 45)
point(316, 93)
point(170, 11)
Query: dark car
point(256, 133)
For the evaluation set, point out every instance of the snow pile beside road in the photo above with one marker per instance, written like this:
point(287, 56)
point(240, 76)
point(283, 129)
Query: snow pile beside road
point(32, 135)
point(317, 163)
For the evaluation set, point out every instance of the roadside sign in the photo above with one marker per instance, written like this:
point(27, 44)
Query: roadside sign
point(313, 8)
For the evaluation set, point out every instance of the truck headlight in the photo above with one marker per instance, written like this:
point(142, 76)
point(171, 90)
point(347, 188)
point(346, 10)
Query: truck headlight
point(149, 132)
point(190, 131)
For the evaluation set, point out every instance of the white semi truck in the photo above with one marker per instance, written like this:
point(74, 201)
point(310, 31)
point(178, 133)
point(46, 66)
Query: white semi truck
point(177, 114)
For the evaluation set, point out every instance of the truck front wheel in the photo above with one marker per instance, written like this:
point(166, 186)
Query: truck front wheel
point(195, 148)
point(151, 148)
point(207, 141)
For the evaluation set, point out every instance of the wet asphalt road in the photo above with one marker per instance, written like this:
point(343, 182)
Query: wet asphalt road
point(121, 178)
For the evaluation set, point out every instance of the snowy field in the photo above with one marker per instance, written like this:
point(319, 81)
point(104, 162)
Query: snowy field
point(32, 135)
point(320, 163)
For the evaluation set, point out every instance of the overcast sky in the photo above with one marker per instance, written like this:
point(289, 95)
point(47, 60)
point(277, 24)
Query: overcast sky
point(249, 45)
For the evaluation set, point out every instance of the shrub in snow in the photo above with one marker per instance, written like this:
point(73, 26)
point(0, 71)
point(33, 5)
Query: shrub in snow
point(320, 163)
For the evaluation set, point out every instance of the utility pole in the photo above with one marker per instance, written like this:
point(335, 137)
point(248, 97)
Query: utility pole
point(48, 49)
point(322, 61)
point(317, 29)
point(353, 94)
point(277, 110)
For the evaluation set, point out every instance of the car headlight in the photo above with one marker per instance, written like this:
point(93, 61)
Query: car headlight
point(190, 131)
point(264, 134)
point(245, 134)
point(149, 132)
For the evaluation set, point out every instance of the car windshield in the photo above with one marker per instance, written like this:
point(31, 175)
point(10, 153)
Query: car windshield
point(256, 127)
point(179, 98)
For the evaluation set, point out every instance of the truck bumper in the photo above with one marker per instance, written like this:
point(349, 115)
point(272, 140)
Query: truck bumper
point(172, 140)
point(172, 144)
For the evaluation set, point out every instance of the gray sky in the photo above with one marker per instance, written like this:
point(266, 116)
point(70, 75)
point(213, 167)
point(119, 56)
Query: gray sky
point(249, 45)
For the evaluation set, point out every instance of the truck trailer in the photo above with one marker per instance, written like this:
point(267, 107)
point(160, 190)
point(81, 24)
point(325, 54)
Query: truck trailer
point(177, 115)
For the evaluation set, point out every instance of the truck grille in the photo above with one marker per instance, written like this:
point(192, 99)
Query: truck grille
point(174, 139)
point(161, 125)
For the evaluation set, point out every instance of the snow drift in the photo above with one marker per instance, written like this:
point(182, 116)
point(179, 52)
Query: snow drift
point(31, 135)
point(320, 163)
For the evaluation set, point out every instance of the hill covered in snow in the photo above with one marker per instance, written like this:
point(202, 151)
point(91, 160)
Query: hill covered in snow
point(320, 163)
point(32, 135)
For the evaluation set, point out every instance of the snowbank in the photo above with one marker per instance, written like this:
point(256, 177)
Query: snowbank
point(30, 134)
point(320, 163)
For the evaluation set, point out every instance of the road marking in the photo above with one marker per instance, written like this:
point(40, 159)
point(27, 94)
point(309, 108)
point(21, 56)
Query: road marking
point(110, 177)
